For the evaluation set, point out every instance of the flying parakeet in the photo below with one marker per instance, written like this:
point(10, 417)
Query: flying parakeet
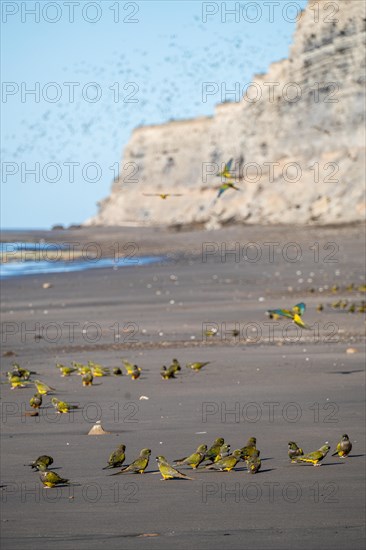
point(226, 172)
point(225, 186)
point(294, 313)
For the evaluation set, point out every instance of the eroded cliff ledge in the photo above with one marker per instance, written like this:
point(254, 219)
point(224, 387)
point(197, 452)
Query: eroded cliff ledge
point(299, 149)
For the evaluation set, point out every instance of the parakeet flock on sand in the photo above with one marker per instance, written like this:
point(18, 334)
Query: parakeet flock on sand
point(218, 457)
point(20, 378)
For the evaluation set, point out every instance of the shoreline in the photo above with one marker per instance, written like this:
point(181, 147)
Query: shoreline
point(141, 241)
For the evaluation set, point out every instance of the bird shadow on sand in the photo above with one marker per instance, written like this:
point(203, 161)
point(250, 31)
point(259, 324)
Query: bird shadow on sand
point(60, 485)
point(209, 470)
point(355, 456)
point(117, 432)
point(206, 470)
point(177, 479)
point(56, 468)
point(123, 471)
point(325, 464)
point(345, 371)
point(71, 411)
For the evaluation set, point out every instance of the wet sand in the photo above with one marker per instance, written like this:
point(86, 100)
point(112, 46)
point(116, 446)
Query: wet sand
point(272, 381)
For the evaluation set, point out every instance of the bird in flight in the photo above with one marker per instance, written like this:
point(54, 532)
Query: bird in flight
point(226, 172)
point(225, 186)
point(162, 195)
point(294, 313)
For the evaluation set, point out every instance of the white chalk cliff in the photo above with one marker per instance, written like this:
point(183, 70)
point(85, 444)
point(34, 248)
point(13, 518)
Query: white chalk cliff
point(299, 161)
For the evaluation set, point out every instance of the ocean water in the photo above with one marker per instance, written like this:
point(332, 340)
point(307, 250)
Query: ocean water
point(17, 268)
point(17, 246)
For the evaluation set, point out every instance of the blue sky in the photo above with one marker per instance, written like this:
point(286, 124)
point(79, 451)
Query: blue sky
point(139, 63)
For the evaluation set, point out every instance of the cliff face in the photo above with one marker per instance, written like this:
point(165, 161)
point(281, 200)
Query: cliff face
point(297, 137)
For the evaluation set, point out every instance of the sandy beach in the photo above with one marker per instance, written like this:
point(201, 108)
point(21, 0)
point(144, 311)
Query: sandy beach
point(272, 381)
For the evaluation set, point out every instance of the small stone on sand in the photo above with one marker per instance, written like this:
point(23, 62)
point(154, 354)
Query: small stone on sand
point(97, 429)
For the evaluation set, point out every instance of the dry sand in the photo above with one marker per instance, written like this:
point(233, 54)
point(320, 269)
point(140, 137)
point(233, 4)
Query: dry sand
point(310, 390)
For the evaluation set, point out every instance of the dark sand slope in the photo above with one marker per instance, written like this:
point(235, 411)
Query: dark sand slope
point(310, 390)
